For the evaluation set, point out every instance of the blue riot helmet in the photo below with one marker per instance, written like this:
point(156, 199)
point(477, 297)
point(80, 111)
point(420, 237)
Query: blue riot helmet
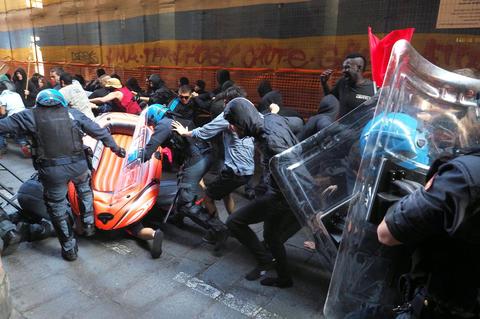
point(399, 135)
point(155, 113)
point(50, 97)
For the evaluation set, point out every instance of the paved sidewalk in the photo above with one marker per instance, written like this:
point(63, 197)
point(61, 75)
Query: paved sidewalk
point(115, 276)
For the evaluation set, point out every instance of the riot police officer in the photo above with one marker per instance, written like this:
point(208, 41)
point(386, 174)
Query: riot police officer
point(441, 222)
point(58, 156)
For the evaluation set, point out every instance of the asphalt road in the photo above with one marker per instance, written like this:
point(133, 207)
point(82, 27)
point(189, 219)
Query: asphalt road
point(115, 277)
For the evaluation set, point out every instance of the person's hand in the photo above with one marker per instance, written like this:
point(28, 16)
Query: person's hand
point(179, 128)
point(194, 94)
point(274, 108)
point(119, 151)
point(27, 92)
point(93, 105)
point(325, 76)
point(134, 93)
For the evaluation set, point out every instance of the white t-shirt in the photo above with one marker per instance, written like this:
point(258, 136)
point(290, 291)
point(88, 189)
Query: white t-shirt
point(77, 98)
point(12, 101)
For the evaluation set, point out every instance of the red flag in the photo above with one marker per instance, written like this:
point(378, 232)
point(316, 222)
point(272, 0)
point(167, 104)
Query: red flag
point(380, 51)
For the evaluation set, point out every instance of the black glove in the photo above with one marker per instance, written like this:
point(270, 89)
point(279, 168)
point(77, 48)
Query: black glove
point(119, 151)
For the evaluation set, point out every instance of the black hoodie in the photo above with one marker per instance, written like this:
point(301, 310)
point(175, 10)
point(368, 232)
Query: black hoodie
point(271, 132)
point(21, 86)
point(327, 114)
point(160, 94)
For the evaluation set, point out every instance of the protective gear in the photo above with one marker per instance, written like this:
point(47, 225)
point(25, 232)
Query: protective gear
point(156, 112)
point(400, 135)
point(51, 97)
point(63, 228)
point(53, 124)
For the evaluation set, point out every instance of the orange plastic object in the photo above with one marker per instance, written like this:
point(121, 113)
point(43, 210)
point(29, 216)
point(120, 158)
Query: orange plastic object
point(119, 199)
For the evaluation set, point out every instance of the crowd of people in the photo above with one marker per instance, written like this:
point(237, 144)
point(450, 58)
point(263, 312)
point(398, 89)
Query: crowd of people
point(219, 129)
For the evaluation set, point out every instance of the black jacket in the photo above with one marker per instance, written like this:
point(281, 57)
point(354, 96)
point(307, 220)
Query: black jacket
point(327, 113)
point(271, 132)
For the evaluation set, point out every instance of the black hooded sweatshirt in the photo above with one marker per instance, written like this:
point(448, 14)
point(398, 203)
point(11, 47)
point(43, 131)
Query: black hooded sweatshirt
point(271, 132)
point(160, 94)
point(21, 86)
point(327, 114)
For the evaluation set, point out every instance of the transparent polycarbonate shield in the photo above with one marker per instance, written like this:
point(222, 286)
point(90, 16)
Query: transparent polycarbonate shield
point(422, 111)
point(133, 168)
point(317, 177)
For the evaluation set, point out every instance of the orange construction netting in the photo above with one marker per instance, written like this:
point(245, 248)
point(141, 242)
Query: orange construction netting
point(301, 89)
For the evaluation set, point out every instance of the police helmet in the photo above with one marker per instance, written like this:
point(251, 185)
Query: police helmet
point(155, 113)
point(399, 135)
point(50, 97)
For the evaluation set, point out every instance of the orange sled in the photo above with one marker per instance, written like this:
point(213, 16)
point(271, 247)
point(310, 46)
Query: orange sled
point(124, 191)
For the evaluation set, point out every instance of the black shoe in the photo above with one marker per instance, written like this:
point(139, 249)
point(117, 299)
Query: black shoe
point(277, 282)
point(210, 238)
point(70, 255)
point(88, 230)
point(177, 220)
point(258, 271)
point(221, 238)
point(156, 249)
point(11, 240)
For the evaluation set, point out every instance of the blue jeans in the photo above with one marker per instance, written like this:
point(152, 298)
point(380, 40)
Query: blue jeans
point(190, 175)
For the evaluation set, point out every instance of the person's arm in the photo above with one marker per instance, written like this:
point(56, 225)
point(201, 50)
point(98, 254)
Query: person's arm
point(212, 128)
point(161, 134)
point(324, 77)
point(425, 213)
point(21, 122)
point(107, 98)
point(93, 129)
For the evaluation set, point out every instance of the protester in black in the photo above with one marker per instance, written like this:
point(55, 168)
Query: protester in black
point(327, 113)
point(352, 89)
point(272, 136)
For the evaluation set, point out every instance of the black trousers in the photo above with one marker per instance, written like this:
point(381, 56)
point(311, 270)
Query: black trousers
point(279, 225)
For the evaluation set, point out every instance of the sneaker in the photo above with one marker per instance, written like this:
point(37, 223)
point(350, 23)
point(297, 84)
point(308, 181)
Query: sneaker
point(221, 239)
point(258, 271)
point(70, 255)
point(27, 153)
point(277, 282)
point(210, 238)
point(156, 249)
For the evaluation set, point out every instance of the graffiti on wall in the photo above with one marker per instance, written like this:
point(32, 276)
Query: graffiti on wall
point(310, 53)
point(87, 57)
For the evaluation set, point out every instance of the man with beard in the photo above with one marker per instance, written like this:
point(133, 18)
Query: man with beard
point(272, 136)
point(352, 89)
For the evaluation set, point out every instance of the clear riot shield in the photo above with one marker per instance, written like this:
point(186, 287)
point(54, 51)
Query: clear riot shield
point(134, 168)
point(422, 111)
point(317, 177)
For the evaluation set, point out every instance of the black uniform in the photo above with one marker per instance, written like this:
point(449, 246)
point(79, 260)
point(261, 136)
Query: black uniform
point(197, 158)
point(272, 136)
point(58, 157)
point(442, 222)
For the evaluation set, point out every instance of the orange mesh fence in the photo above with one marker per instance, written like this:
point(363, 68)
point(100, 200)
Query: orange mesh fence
point(301, 89)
